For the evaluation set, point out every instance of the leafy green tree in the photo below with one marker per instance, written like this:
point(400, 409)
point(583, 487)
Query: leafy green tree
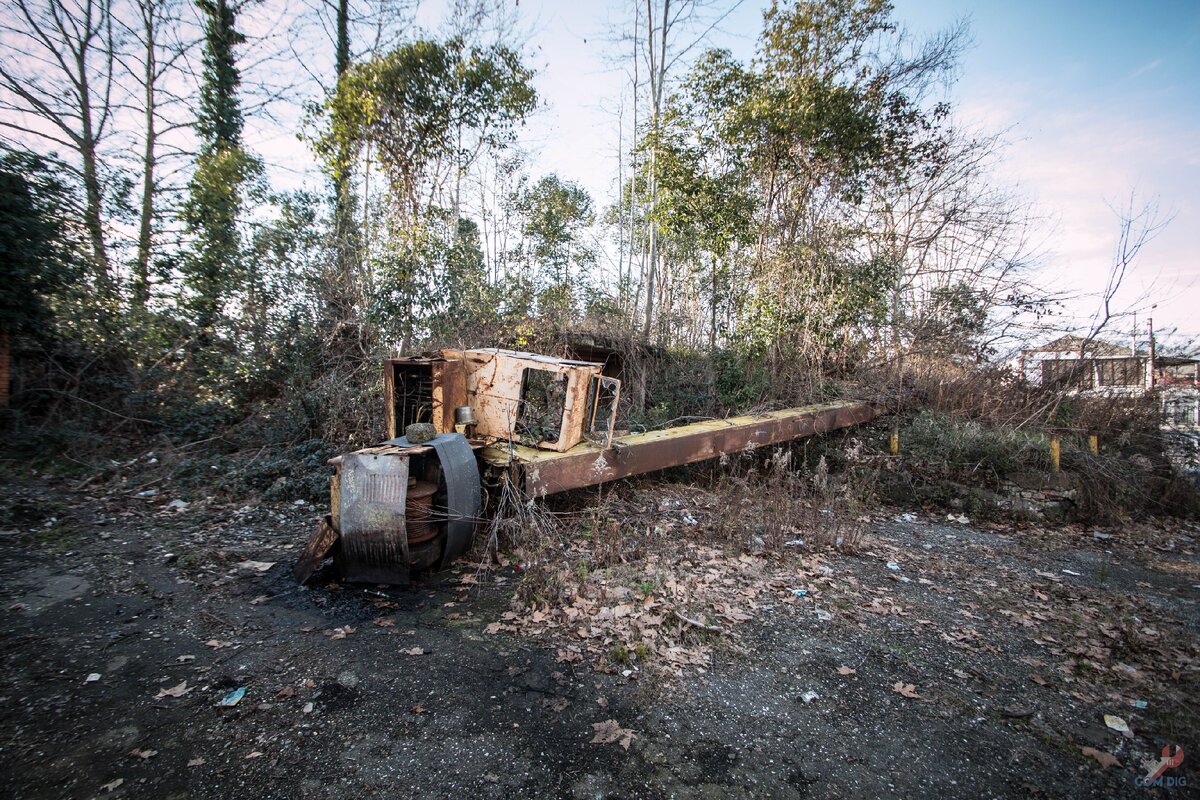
point(415, 107)
point(556, 213)
point(40, 252)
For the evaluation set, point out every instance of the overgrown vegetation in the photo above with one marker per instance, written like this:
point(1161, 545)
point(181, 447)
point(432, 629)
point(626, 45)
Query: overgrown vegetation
point(807, 225)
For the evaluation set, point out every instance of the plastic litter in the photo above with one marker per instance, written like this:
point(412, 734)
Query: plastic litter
point(794, 543)
point(1138, 703)
point(809, 696)
point(961, 519)
point(906, 517)
point(799, 592)
point(1069, 572)
point(233, 698)
point(92, 677)
point(823, 615)
point(1119, 725)
point(893, 566)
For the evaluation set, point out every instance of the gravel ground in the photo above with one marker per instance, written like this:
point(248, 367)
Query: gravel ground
point(1016, 643)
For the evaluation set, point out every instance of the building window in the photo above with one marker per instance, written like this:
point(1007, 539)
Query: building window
point(1067, 373)
point(1120, 372)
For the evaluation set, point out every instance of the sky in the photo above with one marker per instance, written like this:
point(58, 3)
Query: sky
point(1099, 101)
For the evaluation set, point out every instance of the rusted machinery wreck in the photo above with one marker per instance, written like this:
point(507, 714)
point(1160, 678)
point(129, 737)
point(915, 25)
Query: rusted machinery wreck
point(473, 418)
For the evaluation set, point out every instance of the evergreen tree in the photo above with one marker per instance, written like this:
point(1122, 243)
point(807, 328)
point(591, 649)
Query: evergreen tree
point(214, 268)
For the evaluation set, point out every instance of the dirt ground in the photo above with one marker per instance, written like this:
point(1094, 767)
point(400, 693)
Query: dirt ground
point(946, 659)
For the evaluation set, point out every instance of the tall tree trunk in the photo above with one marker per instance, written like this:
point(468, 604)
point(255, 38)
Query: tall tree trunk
point(141, 269)
point(93, 212)
point(658, 70)
point(345, 229)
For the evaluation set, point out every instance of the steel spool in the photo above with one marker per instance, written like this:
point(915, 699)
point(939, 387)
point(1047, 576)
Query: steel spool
point(418, 512)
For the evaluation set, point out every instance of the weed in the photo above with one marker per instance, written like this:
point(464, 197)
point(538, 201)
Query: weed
point(59, 537)
point(619, 654)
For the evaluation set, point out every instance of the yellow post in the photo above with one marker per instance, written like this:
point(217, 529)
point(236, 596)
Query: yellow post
point(1055, 453)
point(894, 443)
point(1094, 444)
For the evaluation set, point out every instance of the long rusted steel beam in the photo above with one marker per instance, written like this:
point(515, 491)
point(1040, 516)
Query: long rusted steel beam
point(544, 473)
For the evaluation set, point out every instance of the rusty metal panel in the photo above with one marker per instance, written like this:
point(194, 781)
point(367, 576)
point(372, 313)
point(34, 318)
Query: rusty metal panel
point(389, 398)
point(449, 392)
point(495, 379)
point(320, 546)
point(335, 496)
point(587, 465)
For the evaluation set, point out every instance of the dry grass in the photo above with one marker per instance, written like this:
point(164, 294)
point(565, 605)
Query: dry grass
point(768, 508)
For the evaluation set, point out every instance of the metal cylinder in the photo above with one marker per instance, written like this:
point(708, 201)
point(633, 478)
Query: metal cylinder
point(464, 415)
point(418, 512)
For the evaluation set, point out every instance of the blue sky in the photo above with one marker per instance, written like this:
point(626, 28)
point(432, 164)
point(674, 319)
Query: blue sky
point(1097, 99)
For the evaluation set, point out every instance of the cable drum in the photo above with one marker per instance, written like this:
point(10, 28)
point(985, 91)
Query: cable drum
point(418, 512)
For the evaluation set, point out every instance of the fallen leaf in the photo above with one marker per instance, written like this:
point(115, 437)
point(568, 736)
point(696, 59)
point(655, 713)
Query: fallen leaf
point(1038, 679)
point(417, 709)
point(610, 731)
point(255, 754)
point(568, 656)
point(385, 623)
point(602, 702)
point(258, 601)
point(339, 633)
point(112, 785)
point(844, 670)
point(257, 566)
point(286, 691)
point(414, 651)
point(216, 644)
point(178, 690)
point(195, 762)
point(908, 690)
point(1105, 759)
point(144, 755)
point(185, 659)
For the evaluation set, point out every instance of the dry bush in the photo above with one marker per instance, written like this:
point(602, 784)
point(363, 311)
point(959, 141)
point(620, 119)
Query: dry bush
point(518, 524)
point(778, 504)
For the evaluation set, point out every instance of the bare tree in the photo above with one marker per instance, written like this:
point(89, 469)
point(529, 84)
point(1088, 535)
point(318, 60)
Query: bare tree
point(672, 30)
point(56, 87)
point(157, 62)
point(1139, 223)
